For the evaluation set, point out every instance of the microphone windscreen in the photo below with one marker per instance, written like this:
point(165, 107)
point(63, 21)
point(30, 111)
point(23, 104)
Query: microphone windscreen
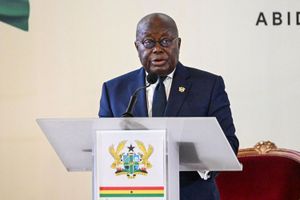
point(152, 78)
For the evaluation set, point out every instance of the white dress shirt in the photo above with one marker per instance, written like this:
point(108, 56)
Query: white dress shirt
point(151, 88)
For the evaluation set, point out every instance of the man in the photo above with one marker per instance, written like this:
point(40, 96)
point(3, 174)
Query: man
point(188, 92)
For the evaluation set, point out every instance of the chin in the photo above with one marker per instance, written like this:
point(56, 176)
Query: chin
point(160, 70)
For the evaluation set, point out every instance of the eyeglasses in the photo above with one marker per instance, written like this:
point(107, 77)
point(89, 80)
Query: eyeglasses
point(149, 43)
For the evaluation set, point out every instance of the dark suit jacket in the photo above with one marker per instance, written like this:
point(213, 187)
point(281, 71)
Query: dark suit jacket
point(204, 96)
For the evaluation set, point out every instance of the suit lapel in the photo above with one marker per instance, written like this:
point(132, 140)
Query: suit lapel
point(141, 105)
point(179, 90)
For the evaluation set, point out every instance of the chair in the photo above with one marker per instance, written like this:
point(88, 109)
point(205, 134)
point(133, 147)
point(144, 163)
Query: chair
point(269, 173)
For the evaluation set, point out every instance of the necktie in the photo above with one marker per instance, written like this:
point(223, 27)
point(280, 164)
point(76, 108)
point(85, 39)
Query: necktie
point(159, 99)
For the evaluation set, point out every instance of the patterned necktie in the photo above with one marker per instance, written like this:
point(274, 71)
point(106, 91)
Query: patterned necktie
point(159, 99)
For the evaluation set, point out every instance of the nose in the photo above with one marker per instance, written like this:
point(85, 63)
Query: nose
point(157, 48)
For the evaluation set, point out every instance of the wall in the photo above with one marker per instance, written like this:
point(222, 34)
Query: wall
point(57, 68)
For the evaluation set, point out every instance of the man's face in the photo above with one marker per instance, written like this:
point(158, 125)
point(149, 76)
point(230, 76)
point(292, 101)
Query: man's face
point(158, 46)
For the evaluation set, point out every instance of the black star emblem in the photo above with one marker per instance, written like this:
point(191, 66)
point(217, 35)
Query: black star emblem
point(131, 147)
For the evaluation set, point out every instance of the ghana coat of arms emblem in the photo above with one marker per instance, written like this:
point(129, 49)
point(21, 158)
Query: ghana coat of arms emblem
point(131, 161)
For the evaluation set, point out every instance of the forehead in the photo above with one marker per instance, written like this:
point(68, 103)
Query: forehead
point(156, 27)
point(155, 34)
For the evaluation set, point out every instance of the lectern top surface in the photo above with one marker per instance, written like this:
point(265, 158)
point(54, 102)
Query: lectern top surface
point(202, 142)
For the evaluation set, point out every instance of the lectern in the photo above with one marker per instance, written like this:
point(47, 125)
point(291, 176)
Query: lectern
point(139, 157)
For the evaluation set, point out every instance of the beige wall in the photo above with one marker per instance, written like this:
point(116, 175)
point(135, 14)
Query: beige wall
point(57, 68)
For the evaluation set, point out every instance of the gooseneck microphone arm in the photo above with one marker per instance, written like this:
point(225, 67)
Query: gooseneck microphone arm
point(132, 102)
point(151, 78)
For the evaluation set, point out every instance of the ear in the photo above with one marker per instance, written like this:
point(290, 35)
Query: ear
point(136, 45)
point(179, 43)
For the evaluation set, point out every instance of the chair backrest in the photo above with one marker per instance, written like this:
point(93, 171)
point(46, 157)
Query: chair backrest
point(269, 173)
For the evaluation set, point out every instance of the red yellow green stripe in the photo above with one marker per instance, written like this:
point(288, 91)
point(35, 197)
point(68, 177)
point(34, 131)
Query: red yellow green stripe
point(150, 191)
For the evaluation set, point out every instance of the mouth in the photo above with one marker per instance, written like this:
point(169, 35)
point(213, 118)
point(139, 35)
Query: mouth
point(158, 62)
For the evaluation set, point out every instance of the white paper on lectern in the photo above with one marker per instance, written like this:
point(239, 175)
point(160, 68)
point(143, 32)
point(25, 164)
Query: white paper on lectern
point(203, 145)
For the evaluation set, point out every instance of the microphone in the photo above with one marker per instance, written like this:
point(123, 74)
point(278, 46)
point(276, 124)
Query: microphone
point(151, 78)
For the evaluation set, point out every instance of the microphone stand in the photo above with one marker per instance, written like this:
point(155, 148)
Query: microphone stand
point(132, 102)
point(151, 78)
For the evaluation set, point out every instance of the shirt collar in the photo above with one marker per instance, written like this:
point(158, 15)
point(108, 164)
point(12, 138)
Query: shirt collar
point(169, 76)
